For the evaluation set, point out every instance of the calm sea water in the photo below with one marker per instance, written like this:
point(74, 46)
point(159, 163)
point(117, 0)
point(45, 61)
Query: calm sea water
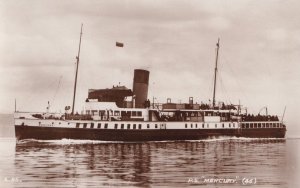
point(223, 162)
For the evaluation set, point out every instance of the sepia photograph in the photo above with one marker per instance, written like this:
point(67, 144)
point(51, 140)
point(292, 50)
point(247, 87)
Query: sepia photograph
point(147, 93)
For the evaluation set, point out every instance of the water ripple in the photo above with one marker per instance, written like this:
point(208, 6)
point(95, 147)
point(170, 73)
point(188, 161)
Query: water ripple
point(71, 163)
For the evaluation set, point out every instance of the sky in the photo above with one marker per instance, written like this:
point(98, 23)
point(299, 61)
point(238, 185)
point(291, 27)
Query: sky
point(174, 39)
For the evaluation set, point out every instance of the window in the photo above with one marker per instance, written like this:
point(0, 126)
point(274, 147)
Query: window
point(196, 125)
point(202, 125)
point(140, 126)
point(92, 125)
point(216, 125)
point(255, 125)
point(116, 126)
point(93, 112)
point(259, 125)
point(139, 113)
point(155, 126)
point(84, 125)
point(77, 125)
point(247, 126)
point(267, 125)
point(233, 125)
point(207, 125)
point(128, 126)
point(122, 126)
point(243, 126)
point(117, 113)
point(101, 113)
point(229, 125)
point(185, 125)
point(105, 125)
point(223, 125)
point(133, 113)
point(99, 125)
point(123, 113)
point(148, 126)
point(134, 126)
point(191, 125)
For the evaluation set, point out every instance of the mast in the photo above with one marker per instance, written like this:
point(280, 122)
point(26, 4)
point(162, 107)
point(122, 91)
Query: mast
point(216, 69)
point(76, 74)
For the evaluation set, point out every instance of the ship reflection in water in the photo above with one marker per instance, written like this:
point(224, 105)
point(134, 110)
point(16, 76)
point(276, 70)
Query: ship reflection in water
point(152, 164)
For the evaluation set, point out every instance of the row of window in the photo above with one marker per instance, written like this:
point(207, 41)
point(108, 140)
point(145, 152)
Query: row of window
point(207, 125)
point(201, 114)
point(134, 126)
point(129, 125)
point(261, 125)
point(139, 126)
point(122, 126)
point(114, 113)
point(52, 123)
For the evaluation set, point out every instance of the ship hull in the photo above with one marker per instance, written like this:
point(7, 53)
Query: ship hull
point(54, 133)
point(264, 133)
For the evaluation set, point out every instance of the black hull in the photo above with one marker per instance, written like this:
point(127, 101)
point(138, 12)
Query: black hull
point(264, 132)
point(51, 133)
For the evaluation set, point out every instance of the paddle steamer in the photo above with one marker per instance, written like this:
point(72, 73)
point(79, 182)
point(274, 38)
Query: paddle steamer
point(122, 114)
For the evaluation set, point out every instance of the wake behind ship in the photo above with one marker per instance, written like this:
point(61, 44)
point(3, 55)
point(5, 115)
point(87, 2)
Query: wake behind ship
point(122, 114)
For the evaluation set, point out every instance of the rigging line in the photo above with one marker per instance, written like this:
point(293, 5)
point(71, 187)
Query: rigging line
point(211, 85)
point(58, 86)
point(33, 97)
point(226, 96)
point(236, 80)
point(224, 89)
